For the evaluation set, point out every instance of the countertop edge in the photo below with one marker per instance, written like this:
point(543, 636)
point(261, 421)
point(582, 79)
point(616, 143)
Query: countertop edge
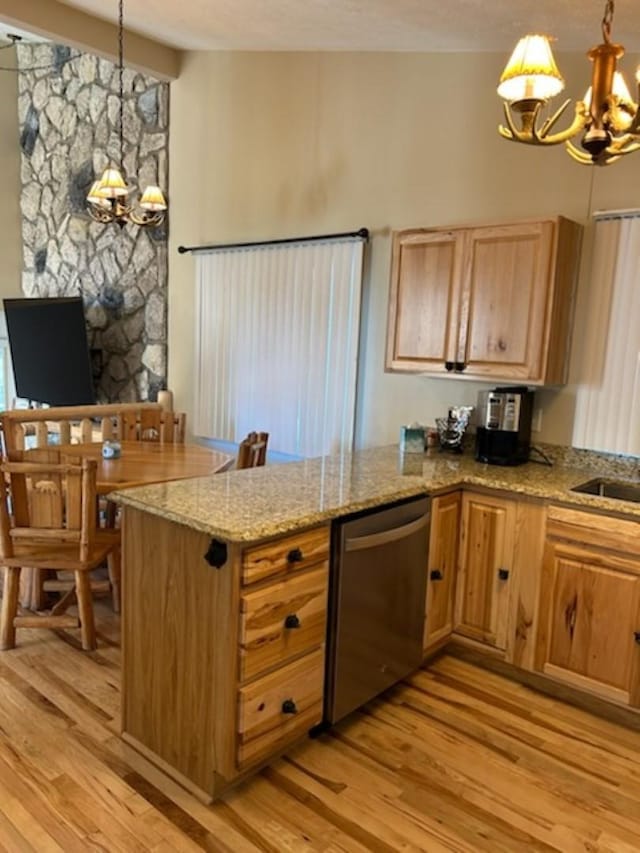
point(249, 514)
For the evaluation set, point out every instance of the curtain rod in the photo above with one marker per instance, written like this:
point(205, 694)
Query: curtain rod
point(362, 234)
point(630, 213)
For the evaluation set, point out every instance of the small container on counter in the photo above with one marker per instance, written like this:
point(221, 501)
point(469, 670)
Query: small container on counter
point(412, 439)
point(111, 450)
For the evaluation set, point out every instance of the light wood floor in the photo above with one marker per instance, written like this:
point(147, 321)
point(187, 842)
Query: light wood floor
point(455, 759)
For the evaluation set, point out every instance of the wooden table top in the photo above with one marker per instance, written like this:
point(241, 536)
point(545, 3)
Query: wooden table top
point(143, 463)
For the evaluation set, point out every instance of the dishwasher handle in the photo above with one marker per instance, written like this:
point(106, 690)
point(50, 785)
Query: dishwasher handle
point(360, 543)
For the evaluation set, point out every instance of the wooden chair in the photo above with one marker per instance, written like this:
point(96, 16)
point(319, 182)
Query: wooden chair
point(80, 424)
point(152, 425)
point(48, 521)
point(252, 451)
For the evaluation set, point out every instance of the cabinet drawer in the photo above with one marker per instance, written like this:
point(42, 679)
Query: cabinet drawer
point(590, 529)
point(279, 708)
point(289, 554)
point(282, 620)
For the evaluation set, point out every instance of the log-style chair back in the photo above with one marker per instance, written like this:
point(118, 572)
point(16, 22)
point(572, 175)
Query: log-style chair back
point(252, 451)
point(23, 428)
point(48, 521)
point(152, 425)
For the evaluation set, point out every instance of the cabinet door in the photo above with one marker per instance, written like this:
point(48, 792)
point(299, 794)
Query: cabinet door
point(503, 329)
point(423, 306)
point(482, 608)
point(442, 568)
point(593, 616)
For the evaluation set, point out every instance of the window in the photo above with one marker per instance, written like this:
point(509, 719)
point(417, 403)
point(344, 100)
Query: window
point(607, 414)
point(277, 344)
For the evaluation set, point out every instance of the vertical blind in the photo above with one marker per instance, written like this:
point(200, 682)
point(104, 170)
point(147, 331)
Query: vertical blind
point(277, 330)
point(608, 398)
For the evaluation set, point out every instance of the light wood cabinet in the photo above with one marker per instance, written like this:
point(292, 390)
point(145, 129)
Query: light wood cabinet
point(442, 568)
point(223, 662)
point(277, 709)
point(282, 620)
point(282, 638)
point(500, 563)
point(589, 636)
point(484, 580)
point(492, 302)
point(286, 555)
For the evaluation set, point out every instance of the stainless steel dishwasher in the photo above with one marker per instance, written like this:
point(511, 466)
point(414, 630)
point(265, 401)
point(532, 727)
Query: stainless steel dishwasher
point(377, 602)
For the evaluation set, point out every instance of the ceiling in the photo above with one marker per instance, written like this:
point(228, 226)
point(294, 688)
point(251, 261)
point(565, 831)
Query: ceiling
point(361, 25)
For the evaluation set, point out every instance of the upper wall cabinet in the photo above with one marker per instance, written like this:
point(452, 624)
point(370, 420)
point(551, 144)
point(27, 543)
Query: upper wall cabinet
point(492, 302)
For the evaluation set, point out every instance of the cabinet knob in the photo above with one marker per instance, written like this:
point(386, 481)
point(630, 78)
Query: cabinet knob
point(460, 366)
point(289, 707)
point(216, 554)
point(292, 621)
point(295, 556)
point(448, 365)
point(503, 574)
point(436, 575)
point(636, 636)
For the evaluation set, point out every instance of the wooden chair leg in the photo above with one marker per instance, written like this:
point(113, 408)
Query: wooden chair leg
point(110, 514)
point(85, 611)
point(113, 564)
point(32, 593)
point(9, 607)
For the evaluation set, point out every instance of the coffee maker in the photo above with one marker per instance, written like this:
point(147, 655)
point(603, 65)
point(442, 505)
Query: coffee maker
point(503, 435)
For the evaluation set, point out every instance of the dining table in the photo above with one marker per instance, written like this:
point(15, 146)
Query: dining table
point(140, 463)
point(144, 463)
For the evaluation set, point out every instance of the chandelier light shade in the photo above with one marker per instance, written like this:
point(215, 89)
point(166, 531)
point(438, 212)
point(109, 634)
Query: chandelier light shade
point(108, 198)
point(531, 72)
point(607, 120)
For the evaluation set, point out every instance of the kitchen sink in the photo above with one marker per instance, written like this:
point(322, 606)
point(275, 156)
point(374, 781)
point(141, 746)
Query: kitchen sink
point(618, 489)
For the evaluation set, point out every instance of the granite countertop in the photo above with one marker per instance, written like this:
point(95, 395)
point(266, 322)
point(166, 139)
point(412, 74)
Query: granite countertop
point(258, 503)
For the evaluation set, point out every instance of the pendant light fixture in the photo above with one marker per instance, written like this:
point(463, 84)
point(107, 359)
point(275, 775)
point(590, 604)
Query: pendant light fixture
point(108, 198)
point(608, 118)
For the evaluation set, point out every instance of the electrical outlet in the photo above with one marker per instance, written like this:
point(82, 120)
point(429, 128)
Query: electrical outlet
point(536, 420)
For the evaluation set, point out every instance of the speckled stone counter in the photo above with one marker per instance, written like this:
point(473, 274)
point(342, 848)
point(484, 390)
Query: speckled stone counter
point(258, 503)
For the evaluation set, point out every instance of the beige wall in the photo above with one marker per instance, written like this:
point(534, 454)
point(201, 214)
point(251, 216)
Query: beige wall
point(276, 145)
point(10, 225)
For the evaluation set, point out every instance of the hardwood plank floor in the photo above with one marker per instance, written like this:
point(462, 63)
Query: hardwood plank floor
point(454, 759)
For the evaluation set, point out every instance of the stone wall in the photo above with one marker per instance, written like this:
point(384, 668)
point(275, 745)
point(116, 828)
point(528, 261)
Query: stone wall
point(68, 117)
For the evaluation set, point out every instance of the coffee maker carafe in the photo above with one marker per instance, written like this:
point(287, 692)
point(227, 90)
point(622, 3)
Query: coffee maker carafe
point(503, 435)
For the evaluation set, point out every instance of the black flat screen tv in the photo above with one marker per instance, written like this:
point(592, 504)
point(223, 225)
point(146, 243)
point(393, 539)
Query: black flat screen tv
point(49, 350)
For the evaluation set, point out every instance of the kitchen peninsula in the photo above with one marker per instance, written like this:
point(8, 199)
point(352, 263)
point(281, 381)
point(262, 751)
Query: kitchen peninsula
point(225, 589)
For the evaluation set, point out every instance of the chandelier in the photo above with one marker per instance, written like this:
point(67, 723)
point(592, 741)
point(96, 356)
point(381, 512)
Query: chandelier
point(108, 198)
point(607, 117)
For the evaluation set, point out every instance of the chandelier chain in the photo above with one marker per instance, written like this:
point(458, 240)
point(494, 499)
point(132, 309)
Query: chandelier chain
point(607, 20)
point(120, 77)
point(108, 198)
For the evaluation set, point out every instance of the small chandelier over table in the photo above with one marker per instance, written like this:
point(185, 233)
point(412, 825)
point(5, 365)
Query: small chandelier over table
point(608, 117)
point(108, 198)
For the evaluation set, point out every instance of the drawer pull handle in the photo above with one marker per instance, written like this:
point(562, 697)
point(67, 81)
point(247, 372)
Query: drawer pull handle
point(436, 575)
point(460, 366)
point(503, 574)
point(289, 707)
point(448, 366)
point(292, 621)
point(636, 636)
point(295, 556)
